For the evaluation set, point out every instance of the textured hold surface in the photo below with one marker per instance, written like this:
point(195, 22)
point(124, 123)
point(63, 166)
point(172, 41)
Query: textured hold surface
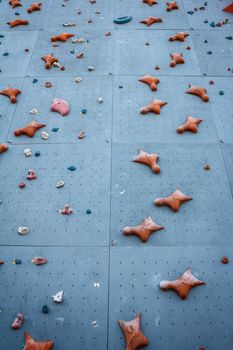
point(151, 81)
point(153, 107)
point(174, 200)
point(183, 284)
point(11, 94)
point(31, 344)
point(191, 124)
point(143, 230)
point(29, 130)
point(149, 159)
point(198, 91)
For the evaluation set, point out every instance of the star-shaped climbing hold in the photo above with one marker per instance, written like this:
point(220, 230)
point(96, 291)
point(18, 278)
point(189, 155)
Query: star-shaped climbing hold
point(177, 58)
point(49, 60)
point(134, 337)
point(178, 37)
point(198, 91)
point(150, 2)
point(173, 201)
point(151, 81)
point(18, 22)
point(11, 93)
point(172, 5)
point(29, 130)
point(191, 125)
point(143, 230)
point(153, 107)
point(150, 20)
point(31, 344)
point(15, 3)
point(36, 6)
point(149, 159)
point(183, 284)
point(62, 37)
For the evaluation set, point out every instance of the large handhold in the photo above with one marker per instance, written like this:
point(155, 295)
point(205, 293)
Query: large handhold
point(172, 5)
point(183, 284)
point(18, 22)
point(178, 37)
point(153, 107)
point(49, 60)
point(29, 130)
point(11, 94)
point(191, 125)
point(143, 230)
point(149, 2)
point(177, 58)
point(134, 338)
point(31, 344)
point(173, 201)
point(198, 91)
point(15, 3)
point(149, 159)
point(151, 81)
point(61, 37)
point(151, 20)
point(36, 6)
point(60, 106)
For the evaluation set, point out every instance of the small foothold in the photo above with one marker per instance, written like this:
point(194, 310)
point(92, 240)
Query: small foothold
point(157, 68)
point(37, 154)
point(34, 81)
point(44, 135)
point(107, 33)
point(48, 84)
point(221, 92)
point(212, 24)
point(18, 321)
point(22, 185)
point(72, 168)
point(5, 54)
point(88, 211)
point(211, 82)
point(80, 55)
point(23, 230)
point(100, 100)
point(207, 167)
point(27, 152)
point(17, 262)
point(123, 20)
point(74, 40)
point(81, 135)
point(57, 298)
point(45, 309)
point(78, 80)
point(90, 68)
point(60, 184)
point(39, 261)
point(66, 210)
point(225, 260)
point(34, 111)
point(209, 52)
point(31, 175)
point(55, 129)
point(229, 37)
point(3, 147)
point(84, 111)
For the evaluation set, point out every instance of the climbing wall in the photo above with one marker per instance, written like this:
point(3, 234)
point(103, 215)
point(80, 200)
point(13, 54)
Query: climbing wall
point(104, 274)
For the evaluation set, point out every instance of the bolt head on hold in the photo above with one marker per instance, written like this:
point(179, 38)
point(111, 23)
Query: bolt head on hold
point(23, 230)
point(58, 297)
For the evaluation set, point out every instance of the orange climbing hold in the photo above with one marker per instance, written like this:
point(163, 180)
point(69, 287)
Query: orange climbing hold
point(150, 20)
point(49, 60)
point(3, 147)
point(191, 125)
point(198, 91)
point(18, 22)
point(177, 58)
point(149, 159)
point(151, 81)
point(153, 107)
point(11, 93)
point(172, 5)
point(29, 130)
point(229, 8)
point(178, 37)
point(143, 230)
point(62, 37)
point(173, 201)
point(150, 2)
point(15, 3)
point(31, 344)
point(36, 6)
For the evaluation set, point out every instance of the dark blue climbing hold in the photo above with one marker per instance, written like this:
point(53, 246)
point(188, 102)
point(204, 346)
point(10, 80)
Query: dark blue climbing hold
point(55, 129)
point(18, 261)
point(209, 52)
point(88, 211)
point(35, 81)
point(212, 24)
point(2, 36)
point(72, 51)
point(37, 154)
point(6, 54)
point(206, 41)
point(72, 168)
point(229, 37)
point(84, 111)
point(122, 20)
point(205, 21)
point(45, 309)
point(190, 12)
point(120, 86)
point(17, 13)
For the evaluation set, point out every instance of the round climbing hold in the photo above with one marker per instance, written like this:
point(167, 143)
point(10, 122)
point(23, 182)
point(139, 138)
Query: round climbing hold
point(44, 135)
point(212, 24)
point(120, 86)
point(225, 260)
point(221, 92)
point(84, 111)
point(205, 41)
point(23, 230)
point(22, 185)
point(35, 81)
point(123, 20)
point(211, 82)
point(48, 84)
point(72, 168)
point(45, 309)
point(17, 261)
point(27, 152)
point(207, 167)
point(60, 184)
point(37, 154)
point(6, 54)
point(88, 211)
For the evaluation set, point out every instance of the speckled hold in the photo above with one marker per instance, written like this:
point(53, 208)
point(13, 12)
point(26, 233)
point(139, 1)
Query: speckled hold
point(45, 309)
point(23, 230)
point(72, 168)
point(44, 135)
point(60, 184)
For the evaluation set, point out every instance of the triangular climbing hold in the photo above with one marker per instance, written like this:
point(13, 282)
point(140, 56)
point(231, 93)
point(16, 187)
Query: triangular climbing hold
point(228, 8)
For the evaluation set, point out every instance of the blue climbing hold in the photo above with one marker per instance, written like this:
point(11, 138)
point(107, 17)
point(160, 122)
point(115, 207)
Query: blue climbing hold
point(212, 24)
point(190, 12)
point(209, 52)
point(45, 309)
point(6, 54)
point(88, 211)
point(18, 261)
point(84, 111)
point(72, 168)
point(229, 37)
point(55, 129)
point(122, 20)
point(37, 154)
point(35, 81)
point(2, 36)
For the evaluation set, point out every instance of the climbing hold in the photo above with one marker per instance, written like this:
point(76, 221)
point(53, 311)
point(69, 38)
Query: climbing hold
point(207, 167)
point(212, 24)
point(107, 33)
point(151, 81)
point(143, 230)
point(22, 185)
point(78, 80)
point(100, 100)
point(188, 48)
point(191, 125)
point(6, 54)
point(18, 22)
point(45, 309)
point(198, 91)
point(211, 82)
point(49, 60)
point(34, 111)
point(84, 111)
point(27, 152)
point(60, 184)
point(58, 297)
point(17, 262)
point(134, 337)
point(174, 200)
point(209, 52)
point(61, 37)
point(31, 175)
point(11, 94)
point(31, 344)
point(153, 107)
point(18, 321)
point(55, 129)
point(157, 68)
point(177, 58)
point(66, 210)
point(72, 168)
point(48, 84)
point(221, 92)
point(44, 135)
point(23, 230)
point(60, 106)
point(183, 284)
point(29, 130)
point(81, 135)
point(70, 24)
point(37, 154)
point(79, 55)
point(3, 147)
point(90, 68)
point(82, 40)
point(36, 6)
point(229, 37)
point(149, 159)
point(225, 260)
point(123, 20)
point(150, 2)
point(151, 20)
point(15, 3)
point(74, 40)
point(178, 37)
point(88, 211)
point(34, 81)
point(172, 5)
point(39, 261)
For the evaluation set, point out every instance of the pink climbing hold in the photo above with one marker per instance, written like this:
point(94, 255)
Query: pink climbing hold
point(31, 175)
point(60, 106)
point(39, 261)
point(18, 321)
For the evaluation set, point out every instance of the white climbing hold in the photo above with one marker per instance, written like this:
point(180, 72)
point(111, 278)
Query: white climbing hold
point(23, 230)
point(74, 40)
point(44, 135)
point(100, 100)
point(81, 40)
point(96, 284)
point(27, 152)
point(78, 80)
point(34, 111)
point(60, 184)
point(57, 298)
point(90, 68)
